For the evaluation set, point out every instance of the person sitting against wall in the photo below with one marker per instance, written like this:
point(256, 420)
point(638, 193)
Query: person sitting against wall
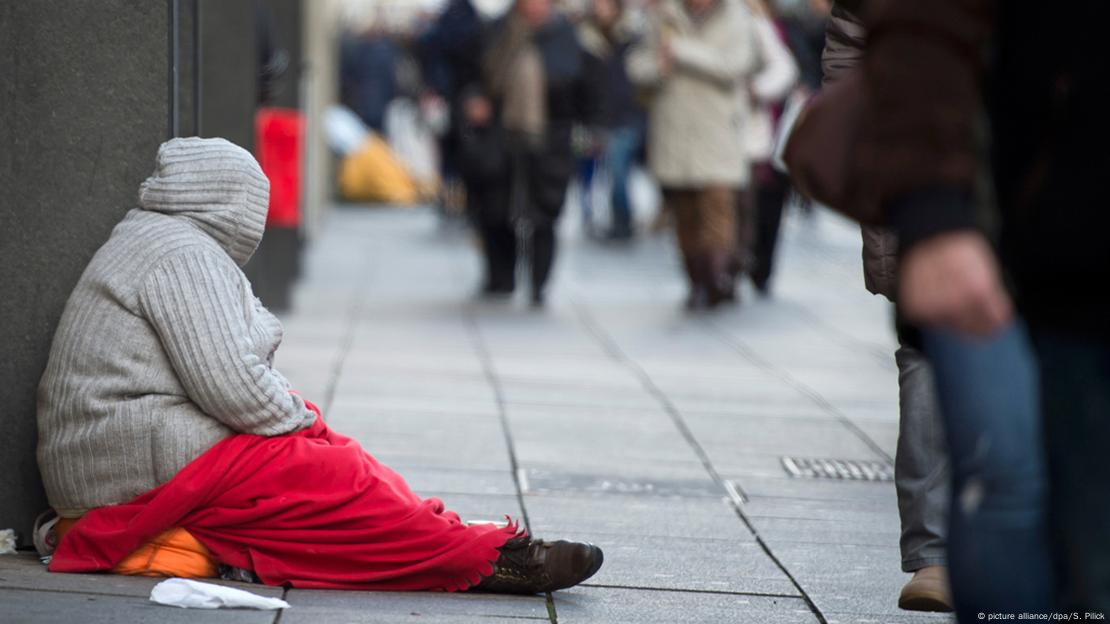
point(163, 426)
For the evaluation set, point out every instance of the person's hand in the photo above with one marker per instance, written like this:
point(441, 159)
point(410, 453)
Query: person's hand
point(952, 280)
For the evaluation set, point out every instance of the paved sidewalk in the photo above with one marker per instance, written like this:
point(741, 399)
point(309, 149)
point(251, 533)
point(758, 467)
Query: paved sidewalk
point(611, 416)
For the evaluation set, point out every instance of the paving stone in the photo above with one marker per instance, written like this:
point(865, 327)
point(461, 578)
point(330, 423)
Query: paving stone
point(698, 484)
point(668, 476)
point(417, 403)
point(902, 617)
point(481, 507)
point(635, 516)
point(738, 565)
point(353, 607)
point(597, 605)
point(424, 480)
point(19, 606)
point(817, 489)
point(778, 531)
point(795, 437)
point(25, 572)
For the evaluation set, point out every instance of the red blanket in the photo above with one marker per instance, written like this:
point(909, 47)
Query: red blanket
point(307, 509)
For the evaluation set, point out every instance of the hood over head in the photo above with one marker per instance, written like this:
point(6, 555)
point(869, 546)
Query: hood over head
point(216, 185)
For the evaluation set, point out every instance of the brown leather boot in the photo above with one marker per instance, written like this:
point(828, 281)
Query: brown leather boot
point(532, 566)
point(927, 591)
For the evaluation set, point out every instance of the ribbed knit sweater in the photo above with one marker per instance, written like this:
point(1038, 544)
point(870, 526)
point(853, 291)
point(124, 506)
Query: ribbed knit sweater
point(162, 349)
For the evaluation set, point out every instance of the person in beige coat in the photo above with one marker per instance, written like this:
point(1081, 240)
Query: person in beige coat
point(689, 66)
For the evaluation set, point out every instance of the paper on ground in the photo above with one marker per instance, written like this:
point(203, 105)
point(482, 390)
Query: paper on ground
point(188, 594)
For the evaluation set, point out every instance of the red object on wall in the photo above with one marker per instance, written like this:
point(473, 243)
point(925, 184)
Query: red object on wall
point(280, 135)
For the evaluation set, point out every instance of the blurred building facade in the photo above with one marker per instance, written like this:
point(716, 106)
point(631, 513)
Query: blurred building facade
point(89, 91)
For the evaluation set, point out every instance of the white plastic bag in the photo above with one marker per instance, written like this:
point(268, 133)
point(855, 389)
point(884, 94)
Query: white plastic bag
point(412, 140)
point(188, 594)
point(344, 130)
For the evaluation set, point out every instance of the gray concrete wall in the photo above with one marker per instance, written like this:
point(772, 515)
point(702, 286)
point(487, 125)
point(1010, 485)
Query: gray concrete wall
point(229, 70)
point(84, 107)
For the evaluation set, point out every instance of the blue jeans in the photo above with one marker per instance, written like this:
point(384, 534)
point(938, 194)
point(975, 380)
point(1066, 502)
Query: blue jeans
point(622, 146)
point(999, 552)
point(585, 169)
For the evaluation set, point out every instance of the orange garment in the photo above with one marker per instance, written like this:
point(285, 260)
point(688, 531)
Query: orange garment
point(175, 552)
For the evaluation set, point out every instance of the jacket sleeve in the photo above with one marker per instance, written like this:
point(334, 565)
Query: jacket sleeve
point(845, 41)
point(197, 306)
point(642, 62)
point(923, 69)
point(725, 65)
point(778, 73)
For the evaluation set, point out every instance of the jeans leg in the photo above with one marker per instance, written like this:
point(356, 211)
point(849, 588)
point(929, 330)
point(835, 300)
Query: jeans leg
point(998, 548)
point(586, 169)
point(920, 464)
point(1075, 382)
point(622, 145)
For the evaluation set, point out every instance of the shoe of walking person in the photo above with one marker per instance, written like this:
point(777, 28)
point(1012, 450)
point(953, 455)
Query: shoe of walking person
point(927, 591)
point(533, 566)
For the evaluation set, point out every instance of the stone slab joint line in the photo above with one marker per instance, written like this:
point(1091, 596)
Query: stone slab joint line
point(520, 480)
point(804, 389)
point(734, 497)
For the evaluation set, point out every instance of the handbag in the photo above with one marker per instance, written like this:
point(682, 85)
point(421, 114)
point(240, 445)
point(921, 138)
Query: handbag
point(821, 151)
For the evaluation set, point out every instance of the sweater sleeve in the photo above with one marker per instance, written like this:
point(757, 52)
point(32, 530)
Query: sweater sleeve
point(197, 306)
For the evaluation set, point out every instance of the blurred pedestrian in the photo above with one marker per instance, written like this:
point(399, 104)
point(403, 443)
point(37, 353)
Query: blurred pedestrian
point(921, 461)
point(450, 51)
point(367, 81)
point(542, 84)
point(767, 90)
point(1029, 506)
point(484, 165)
point(605, 35)
point(694, 58)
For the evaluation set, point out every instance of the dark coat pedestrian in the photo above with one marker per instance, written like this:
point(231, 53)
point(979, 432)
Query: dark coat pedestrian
point(542, 84)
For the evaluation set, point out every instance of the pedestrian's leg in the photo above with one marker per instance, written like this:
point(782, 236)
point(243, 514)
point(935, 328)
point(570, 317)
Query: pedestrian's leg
point(586, 169)
point(718, 229)
point(998, 547)
point(685, 210)
point(622, 145)
point(543, 256)
point(921, 480)
point(505, 262)
point(1075, 373)
point(499, 246)
point(770, 197)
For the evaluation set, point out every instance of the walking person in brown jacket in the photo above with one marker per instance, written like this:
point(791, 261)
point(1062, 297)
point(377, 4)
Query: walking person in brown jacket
point(921, 464)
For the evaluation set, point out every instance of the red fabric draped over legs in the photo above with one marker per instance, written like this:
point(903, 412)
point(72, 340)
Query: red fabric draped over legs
point(308, 509)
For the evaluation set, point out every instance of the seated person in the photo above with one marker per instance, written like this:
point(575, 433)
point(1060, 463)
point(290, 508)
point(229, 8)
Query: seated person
point(160, 412)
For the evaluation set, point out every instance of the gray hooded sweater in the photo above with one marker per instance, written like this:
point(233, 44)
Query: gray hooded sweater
point(162, 349)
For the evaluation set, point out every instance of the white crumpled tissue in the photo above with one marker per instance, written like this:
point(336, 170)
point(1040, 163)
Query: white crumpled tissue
point(187, 594)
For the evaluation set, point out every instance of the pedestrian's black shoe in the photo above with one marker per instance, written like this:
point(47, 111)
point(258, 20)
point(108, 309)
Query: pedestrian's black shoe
point(494, 290)
point(532, 566)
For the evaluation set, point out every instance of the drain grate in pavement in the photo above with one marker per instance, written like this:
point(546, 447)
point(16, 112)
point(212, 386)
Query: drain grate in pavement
point(843, 469)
